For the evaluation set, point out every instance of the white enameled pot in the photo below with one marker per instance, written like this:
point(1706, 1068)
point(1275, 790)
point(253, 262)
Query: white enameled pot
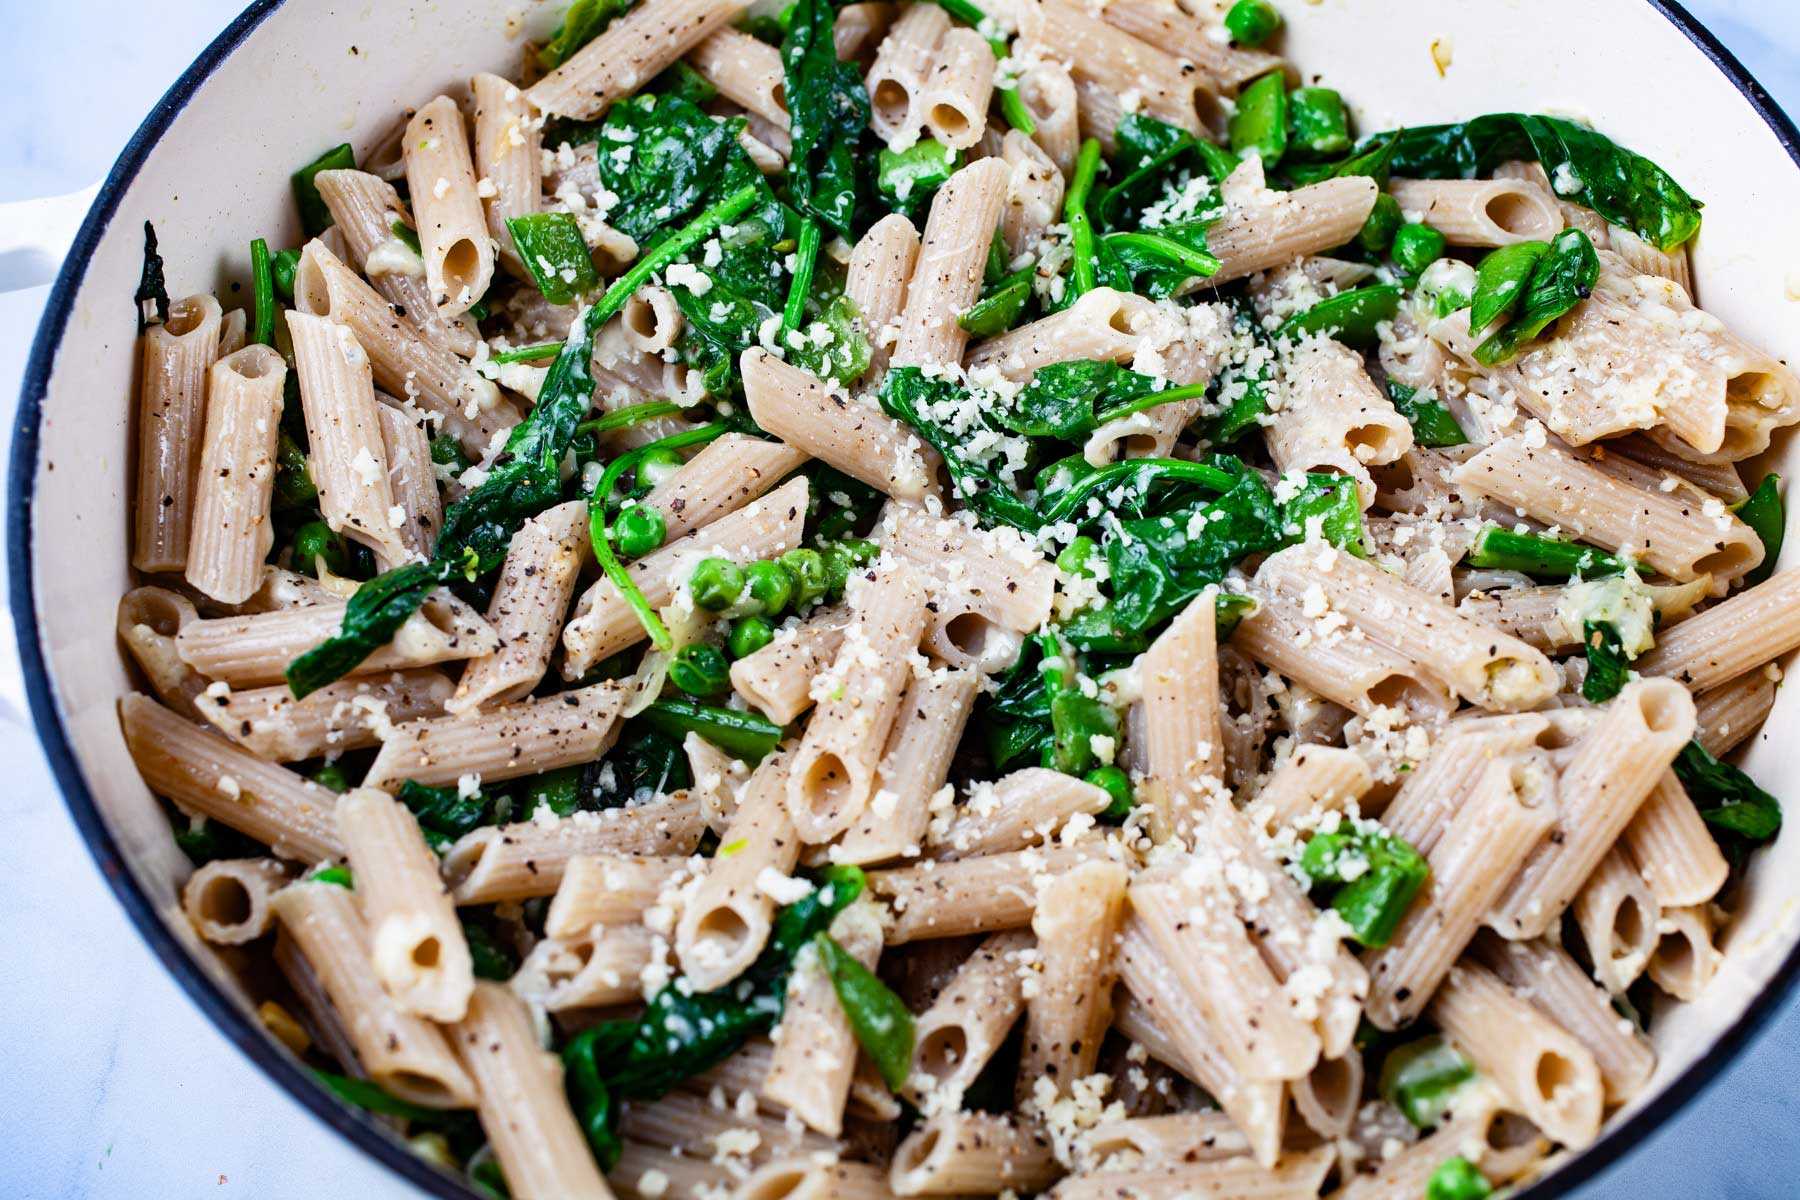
point(210, 168)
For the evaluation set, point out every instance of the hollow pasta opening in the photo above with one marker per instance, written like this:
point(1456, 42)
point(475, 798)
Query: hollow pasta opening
point(826, 784)
point(426, 953)
point(462, 267)
point(942, 1050)
point(225, 901)
point(1520, 214)
point(890, 100)
point(777, 1185)
point(1727, 560)
point(1554, 1075)
point(949, 120)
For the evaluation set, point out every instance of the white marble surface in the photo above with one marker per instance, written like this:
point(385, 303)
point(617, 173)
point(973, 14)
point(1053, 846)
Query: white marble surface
point(116, 1086)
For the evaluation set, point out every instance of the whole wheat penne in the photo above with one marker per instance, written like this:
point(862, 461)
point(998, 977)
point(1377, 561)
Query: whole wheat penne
point(955, 96)
point(603, 965)
point(778, 678)
point(347, 715)
point(815, 1050)
point(1262, 229)
point(628, 54)
point(257, 648)
point(406, 1055)
point(910, 776)
point(1033, 196)
point(1333, 418)
point(232, 327)
point(1069, 1009)
point(1298, 1175)
point(604, 620)
point(175, 361)
point(608, 889)
point(947, 280)
point(646, 1172)
point(508, 152)
point(1728, 714)
point(966, 1025)
point(849, 434)
point(1731, 638)
point(1183, 748)
point(1539, 1066)
point(957, 1153)
point(203, 773)
point(150, 619)
point(522, 738)
point(746, 72)
point(896, 80)
point(1343, 665)
point(227, 900)
point(728, 473)
point(1315, 781)
point(992, 574)
point(881, 262)
point(1109, 59)
point(1049, 95)
point(1610, 774)
point(1225, 65)
point(453, 234)
point(232, 532)
point(1480, 212)
point(1617, 914)
point(1328, 1097)
point(1132, 1143)
point(1101, 324)
point(1686, 956)
point(528, 858)
point(975, 895)
point(833, 775)
point(695, 1125)
point(1642, 258)
point(1420, 812)
point(1471, 1129)
point(809, 1179)
point(1670, 845)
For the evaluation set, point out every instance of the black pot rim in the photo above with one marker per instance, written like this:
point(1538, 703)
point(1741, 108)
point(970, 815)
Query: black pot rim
point(238, 1028)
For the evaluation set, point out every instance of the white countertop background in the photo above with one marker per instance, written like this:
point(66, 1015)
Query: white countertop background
point(113, 1085)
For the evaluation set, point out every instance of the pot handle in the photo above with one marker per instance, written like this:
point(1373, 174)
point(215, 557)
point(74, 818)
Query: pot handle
point(35, 236)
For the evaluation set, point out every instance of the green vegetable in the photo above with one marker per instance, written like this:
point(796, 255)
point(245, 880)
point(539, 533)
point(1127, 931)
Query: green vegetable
point(1421, 1079)
point(315, 217)
point(907, 179)
point(316, 540)
point(1082, 267)
point(487, 1178)
point(1077, 558)
point(658, 464)
point(716, 584)
point(1456, 1178)
point(1416, 247)
point(1330, 501)
point(205, 840)
point(582, 23)
point(446, 451)
point(742, 735)
point(1585, 168)
point(1562, 278)
point(1070, 400)
point(842, 560)
point(1379, 875)
point(337, 876)
point(491, 960)
point(646, 762)
point(333, 776)
point(283, 267)
point(152, 288)
point(877, 1016)
point(1011, 106)
point(844, 355)
point(1540, 557)
point(680, 80)
point(1385, 220)
point(444, 813)
point(639, 530)
point(1251, 22)
point(407, 234)
point(1317, 126)
point(478, 529)
point(807, 569)
point(262, 292)
point(1727, 798)
point(1115, 783)
point(371, 1096)
point(1259, 123)
point(1000, 306)
point(1763, 513)
point(558, 790)
point(771, 587)
point(829, 109)
point(1243, 387)
point(555, 252)
point(1500, 282)
point(1157, 263)
point(1041, 711)
point(1606, 662)
point(1154, 161)
point(1350, 317)
point(1432, 421)
point(806, 263)
point(700, 670)
point(748, 635)
point(293, 480)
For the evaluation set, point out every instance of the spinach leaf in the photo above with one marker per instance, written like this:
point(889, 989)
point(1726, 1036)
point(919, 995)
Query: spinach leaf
point(1350, 317)
point(1432, 421)
point(743, 735)
point(906, 180)
point(829, 108)
point(1374, 160)
point(490, 957)
point(1606, 661)
point(444, 813)
point(1070, 400)
point(909, 395)
point(647, 761)
point(877, 1016)
point(585, 21)
point(1157, 262)
point(152, 287)
point(1500, 282)
point(315, 217)
point(205, 840)
point(1727, 798)
point(832, 347)
point(1763, 512)
point(1162, 167)
point(1561, 279)
point(1375, 874)
point(555, 252)
point(1585, 167)
point(1332, 503)
point(1243, 394)
point(663, 158)
point(1001, 305)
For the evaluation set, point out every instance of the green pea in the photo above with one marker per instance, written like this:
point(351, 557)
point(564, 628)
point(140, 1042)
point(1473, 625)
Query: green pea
point(657, 465)
point(1115, 783)
point(770, 587)
point(700, 670)
point(843, 558)
point(1251, 22)
point(1077, 556)
point(1385, 220)
point(716, 584)
point(1416, 247)
point(748, 635)
point(1457, 1178)
point(332, 776)
point(293, 477)
point(315, 540)
point(638, 530)
point(807, 569)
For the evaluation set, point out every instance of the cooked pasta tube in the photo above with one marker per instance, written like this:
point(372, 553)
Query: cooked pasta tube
point(522, 738)
point(1610, 774)
point(815, 1049)
point(508, 153)
point(833, 775)
point(203, 773)
point(1641, 258)
point(528, 858)
point(630, 52)
point(604, 621)
point(695, 1125)
point(257, 648)
point(1027, 806)
point(746, 72)
point(1728, 714)
point(855, 437)
point(608, 889)
point(1315, 781)
point(1476, 1128)
point(896, 80)
point(232, 532)
point(1183, 748)
point(728, 473)
point(523, 1109)
point(536, 583)
point(1328, 1097)
point(1731, 638)
point(1110, 60)
point(1225, 65)
point(973, 895)
point(809, 1179)
point(1340, 664)
point(1670, 845)
point(957, 1153)
point(453, 235)
point(646, 1172)
point(1298, 1175)
point(1617, 914)
point(1132, 1143)
point(1480, 212)
point(778, 678)
point(1262, 229)
point(1543, 974)
point(726, 921)
point(947, 279)
point(956, 94)
point(604, 965)
point(1101, 324)
point(1686, 957)
point(994, 575)
point(1483, 665)
point(881, 262)
point(1542, 1069)
point(347, 715)
point(408, 1056)
point(1070, 1007)
point(969, 1020)
point(418, 507)
point(175, 361)
point(227, 900)
point(1333, 418)
point(1497, 822)
point(1049, 95)
point(913, 767)
point(1420, 813)
point(150, 619)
